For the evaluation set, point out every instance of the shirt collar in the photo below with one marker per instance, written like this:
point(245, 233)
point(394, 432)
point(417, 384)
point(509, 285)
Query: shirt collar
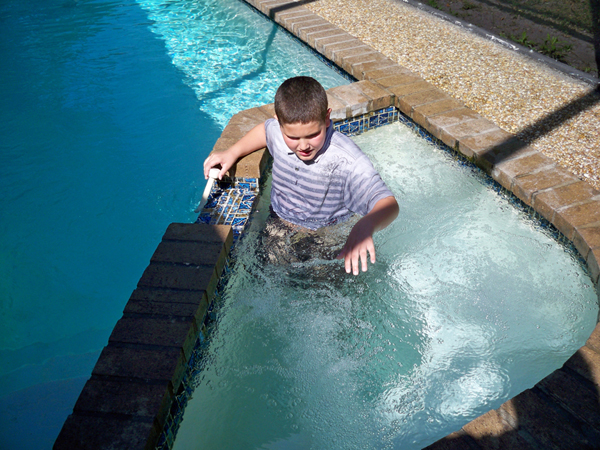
point(328, 135)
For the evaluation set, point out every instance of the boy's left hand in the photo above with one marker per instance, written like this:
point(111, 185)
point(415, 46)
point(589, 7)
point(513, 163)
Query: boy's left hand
point(359, 242)
point(360, 239)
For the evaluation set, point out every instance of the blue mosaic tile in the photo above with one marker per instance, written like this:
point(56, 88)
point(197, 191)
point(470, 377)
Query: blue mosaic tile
point(239, 221)
point(354, 127)
point(230, 204)
point(342, 128)
point(374, 121)
point(358, 125)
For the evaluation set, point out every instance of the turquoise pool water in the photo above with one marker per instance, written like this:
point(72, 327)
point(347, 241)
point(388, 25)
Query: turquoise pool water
point(470, 302)
point(109, 109)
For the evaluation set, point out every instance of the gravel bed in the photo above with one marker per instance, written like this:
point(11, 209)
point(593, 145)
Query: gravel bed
point(556, 114)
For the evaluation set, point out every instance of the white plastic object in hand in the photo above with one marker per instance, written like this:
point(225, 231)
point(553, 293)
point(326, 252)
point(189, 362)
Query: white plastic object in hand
point(213, 174)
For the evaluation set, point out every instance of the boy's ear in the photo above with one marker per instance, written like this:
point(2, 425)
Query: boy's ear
point(327, 120)
point(275, 116)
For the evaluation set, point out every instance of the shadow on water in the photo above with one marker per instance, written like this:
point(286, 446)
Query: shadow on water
point(235, 84)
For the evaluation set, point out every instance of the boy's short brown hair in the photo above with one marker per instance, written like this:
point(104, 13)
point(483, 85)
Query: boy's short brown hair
point(301, 100)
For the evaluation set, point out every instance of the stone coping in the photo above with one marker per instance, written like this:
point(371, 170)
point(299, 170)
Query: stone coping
point(126, 402)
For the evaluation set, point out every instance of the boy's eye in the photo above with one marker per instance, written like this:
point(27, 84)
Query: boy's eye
point(296, 138)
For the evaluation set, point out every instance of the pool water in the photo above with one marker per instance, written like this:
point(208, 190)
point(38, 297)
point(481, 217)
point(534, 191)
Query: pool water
point(470, 302)
point(106, 118)
point(231, 58)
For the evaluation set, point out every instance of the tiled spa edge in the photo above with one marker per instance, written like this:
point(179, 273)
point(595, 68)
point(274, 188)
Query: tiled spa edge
point(126, 401)
point(570, 204)
point(557, 411)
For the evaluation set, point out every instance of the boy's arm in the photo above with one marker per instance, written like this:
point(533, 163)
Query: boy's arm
point(360, 239)
point(254, 140)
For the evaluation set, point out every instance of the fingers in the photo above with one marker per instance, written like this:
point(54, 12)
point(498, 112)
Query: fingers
point(356, 259)
point(363, 260)
point(211, 163)
point(347, 256)
point(207, 166)
point(348, 262)
point(371, 247)
point(352, 261)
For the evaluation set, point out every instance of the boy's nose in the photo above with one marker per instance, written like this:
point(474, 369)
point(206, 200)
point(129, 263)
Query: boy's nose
point(303, 145)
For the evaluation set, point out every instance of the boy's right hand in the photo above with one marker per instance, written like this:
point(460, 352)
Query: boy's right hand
point(254, 140)
point(223, 159)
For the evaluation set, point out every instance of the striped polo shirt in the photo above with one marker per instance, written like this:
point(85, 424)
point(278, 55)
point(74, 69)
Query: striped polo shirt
point(338, 182)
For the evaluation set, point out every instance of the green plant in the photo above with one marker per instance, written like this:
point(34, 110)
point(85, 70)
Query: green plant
point(554, 48)
point(433, 4)
point(523, 40)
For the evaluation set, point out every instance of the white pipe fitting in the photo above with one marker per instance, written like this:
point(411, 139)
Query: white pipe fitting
point(213, 174)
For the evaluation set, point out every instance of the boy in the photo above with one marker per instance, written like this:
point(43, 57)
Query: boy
point(320, 177)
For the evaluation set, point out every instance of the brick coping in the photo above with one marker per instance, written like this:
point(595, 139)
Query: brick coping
point(126, 402)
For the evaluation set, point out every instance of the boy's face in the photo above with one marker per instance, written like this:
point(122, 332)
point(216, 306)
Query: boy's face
point(305, 139)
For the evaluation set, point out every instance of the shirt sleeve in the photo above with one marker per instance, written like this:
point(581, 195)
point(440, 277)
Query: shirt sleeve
point(364, 187)
point(271, 125)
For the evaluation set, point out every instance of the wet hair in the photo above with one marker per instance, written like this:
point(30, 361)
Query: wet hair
point(301, 100)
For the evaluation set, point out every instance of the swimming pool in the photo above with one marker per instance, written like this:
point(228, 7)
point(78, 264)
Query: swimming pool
point(103, 137)
point(457, 316)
